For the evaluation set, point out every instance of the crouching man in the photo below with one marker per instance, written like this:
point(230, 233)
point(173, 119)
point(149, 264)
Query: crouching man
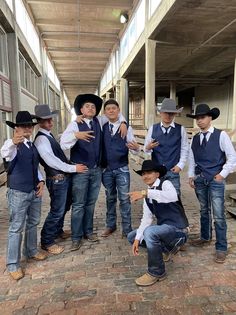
point(164, 238)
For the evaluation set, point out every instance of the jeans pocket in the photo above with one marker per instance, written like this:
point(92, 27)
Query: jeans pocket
point(124, 169)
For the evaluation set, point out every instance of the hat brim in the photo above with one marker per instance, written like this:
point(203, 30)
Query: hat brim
point(176, 111)
point(214, 113)
point(53, 114)
point(161, 170)
point(13, 125)
point(83, 98)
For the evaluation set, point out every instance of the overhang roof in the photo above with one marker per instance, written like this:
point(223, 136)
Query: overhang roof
point(79, 36)
point(196, 44)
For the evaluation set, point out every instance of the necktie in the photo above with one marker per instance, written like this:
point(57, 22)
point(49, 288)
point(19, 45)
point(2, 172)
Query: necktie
point(111, 129)
point(204, 140)
point(91, 124)
point(166, 130)
point(29, 144)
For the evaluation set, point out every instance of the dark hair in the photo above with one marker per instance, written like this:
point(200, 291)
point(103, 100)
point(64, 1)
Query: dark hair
point(111, 101)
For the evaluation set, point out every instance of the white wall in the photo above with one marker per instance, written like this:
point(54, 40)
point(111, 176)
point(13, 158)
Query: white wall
point(220, 96)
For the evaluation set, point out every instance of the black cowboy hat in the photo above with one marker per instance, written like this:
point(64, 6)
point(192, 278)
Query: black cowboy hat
point(204, 110)
point(90, 98)
point(149, 165)
point(44, 112)
point(23, 118)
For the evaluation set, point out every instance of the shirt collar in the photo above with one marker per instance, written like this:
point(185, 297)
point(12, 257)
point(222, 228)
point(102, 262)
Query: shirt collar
point(45, 131)
point(156, 183)
point(171, 125)
point(115, 124)
point(211, 130)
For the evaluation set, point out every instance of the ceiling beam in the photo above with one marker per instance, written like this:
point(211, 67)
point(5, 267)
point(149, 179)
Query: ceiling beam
point(115, 4)
point(85, 22)
point(77, 49)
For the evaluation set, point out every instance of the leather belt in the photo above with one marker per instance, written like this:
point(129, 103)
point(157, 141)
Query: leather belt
point(58, 177)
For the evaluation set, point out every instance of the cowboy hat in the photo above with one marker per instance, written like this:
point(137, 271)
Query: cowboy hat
point(149, 165)
point(22, 118)
point(44, 112)
point(169, 106)
point(87, 98)
point(204, 110)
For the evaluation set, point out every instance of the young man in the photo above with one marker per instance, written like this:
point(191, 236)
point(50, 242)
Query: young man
point(85, 186)
point(212, 157)
point(58, 180)
point(116, 176)
point(167, 141)
point(25, 188)
point(169, 233)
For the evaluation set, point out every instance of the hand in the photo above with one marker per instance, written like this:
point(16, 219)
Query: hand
point(176, 169)
point(191, 182)
point(133, 145)
point(81, 168)
point(80, 119)
point(39, 191)
point(218, 178)
point(135, 247)
point(84, 135)
point(18, 136)
point(123, 130)
point(135, 195)
point(152, 145)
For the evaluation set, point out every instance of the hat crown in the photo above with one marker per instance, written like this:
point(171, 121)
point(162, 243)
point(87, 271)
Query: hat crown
point(23, 117)
point(43, 111)
point(169, 106)
point(201, 109)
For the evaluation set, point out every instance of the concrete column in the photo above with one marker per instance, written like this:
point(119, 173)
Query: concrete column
point(14, 72)
point(62, 111)
point(108, 95)
point(124, 98)
point(117, 92)
point(233, 126)
point(150, 62)
point(172, 90)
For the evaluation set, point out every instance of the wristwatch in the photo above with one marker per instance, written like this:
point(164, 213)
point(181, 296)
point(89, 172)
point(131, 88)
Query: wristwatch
point(144, 193)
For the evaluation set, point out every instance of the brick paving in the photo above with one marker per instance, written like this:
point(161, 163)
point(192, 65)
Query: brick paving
point(99, 278)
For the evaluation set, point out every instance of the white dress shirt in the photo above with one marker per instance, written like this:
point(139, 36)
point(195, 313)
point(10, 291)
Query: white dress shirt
point(44, 148)
point(184, 150)
point(225, 146)
point(68, 139)
point(9, 152)
point(166, 195)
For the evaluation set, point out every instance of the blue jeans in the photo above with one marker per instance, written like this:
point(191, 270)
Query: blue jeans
point(158, 238)
point(117, 182)
point(174, 178)
point(25, 212)
point(210, 194)
point(85, 190)
point(59, 204)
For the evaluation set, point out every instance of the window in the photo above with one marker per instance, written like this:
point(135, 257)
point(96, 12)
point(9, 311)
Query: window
point(27, 28)
point(3, 53)
point(28, 78)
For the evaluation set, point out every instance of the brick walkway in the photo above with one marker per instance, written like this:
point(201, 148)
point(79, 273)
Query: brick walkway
point(99, 279)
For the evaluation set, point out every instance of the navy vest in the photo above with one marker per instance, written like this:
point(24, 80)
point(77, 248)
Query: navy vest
point(88, 153)
point(115, 151)
point(209, 159)
point(168, 151)
point(23, 169)
point(58, 152)
point(171, 213)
